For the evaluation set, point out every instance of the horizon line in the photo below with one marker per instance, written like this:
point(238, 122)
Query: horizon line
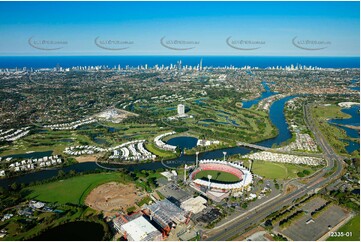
point(160, 55)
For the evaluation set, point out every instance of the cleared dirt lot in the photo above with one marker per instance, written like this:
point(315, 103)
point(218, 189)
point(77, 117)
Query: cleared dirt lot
point(86, 158)
point(113, 196)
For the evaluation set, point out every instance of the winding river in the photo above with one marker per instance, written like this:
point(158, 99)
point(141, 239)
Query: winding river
point(267, 93)
point(276, 115)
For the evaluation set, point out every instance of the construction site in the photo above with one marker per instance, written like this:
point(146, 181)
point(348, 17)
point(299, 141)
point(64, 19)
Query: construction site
point(113, 196)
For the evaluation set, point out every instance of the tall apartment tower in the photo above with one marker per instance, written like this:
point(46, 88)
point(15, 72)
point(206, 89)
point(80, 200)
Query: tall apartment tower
point(181, 109)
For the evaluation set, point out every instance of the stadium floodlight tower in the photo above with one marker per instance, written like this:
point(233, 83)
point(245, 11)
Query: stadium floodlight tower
point(209, 181)
point(250, 165)
point(185, 173)
point(197, 153)
point(224, 155)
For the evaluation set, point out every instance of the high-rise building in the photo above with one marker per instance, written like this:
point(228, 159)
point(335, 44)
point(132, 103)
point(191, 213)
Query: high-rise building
point(181, 109)
point(200, 64)
point(179, 64)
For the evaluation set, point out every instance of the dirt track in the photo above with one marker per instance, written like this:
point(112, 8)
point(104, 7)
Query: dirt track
point(113, 196)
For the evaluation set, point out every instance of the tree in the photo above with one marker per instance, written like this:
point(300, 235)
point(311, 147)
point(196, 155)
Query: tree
point(72, 173)
point(3, 191)
point(268, 224)
point(300, 174)
point(61, 173)
point(277, 186)
point(306, 172)
point(14, 186)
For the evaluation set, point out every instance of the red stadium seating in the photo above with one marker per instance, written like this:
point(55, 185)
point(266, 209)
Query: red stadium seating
point(218, 167)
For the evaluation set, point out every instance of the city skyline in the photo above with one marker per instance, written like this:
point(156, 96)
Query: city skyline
point(180, 28)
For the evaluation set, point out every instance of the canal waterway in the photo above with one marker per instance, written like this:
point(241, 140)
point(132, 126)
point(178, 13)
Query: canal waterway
point(267, 93)
point(277, 118)
point(354, 120)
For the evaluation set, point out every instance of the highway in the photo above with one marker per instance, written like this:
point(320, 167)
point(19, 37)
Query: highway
point(255, 217)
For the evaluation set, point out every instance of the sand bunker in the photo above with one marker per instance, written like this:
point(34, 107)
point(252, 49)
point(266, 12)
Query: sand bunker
point(113, 196)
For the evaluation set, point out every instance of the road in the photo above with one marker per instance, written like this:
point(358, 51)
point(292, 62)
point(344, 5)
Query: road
point(317, 181)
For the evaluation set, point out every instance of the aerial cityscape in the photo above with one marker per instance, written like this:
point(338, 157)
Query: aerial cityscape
point(149, 130)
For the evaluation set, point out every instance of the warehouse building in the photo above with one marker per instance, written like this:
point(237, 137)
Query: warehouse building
point(194, 204)
point(140, 229)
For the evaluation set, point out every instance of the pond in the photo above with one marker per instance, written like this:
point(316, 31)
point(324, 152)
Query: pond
point(100, 141)
point(66, 140)
point(231, 121)
point(183, 142)
point(356, 191)
point(30, 155)
point(208, 120)
point(200, 102)
point(112, 130)
point(75, 231)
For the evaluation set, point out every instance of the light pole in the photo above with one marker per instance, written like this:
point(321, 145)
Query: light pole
point(224, 155)
point(250, 165)
point(197, 153)
point(185, 173)
point(209, 181)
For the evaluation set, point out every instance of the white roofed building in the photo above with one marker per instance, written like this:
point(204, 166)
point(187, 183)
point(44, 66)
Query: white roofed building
point(140, 229)
point(194, 204)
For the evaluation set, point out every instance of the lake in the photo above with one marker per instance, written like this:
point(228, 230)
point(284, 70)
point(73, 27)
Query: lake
point(32, 155)
point(354, 120)
point(74, 231)
point(183, 142)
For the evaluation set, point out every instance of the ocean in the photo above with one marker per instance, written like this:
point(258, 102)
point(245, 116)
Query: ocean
point(214, 61)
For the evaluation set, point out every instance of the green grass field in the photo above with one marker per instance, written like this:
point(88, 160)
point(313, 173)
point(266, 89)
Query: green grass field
point(162, 153)
point(217, 176)
point(333, 134)
point(351, 226)
point(273, 170)
point(73, 190)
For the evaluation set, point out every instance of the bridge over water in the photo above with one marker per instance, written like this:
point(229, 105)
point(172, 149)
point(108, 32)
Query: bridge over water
point(254, 146)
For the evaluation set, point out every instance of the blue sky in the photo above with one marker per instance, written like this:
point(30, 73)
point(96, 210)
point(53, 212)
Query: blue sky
point(254, 28)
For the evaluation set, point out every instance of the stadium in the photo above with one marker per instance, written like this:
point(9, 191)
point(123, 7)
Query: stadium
point(218, 179)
